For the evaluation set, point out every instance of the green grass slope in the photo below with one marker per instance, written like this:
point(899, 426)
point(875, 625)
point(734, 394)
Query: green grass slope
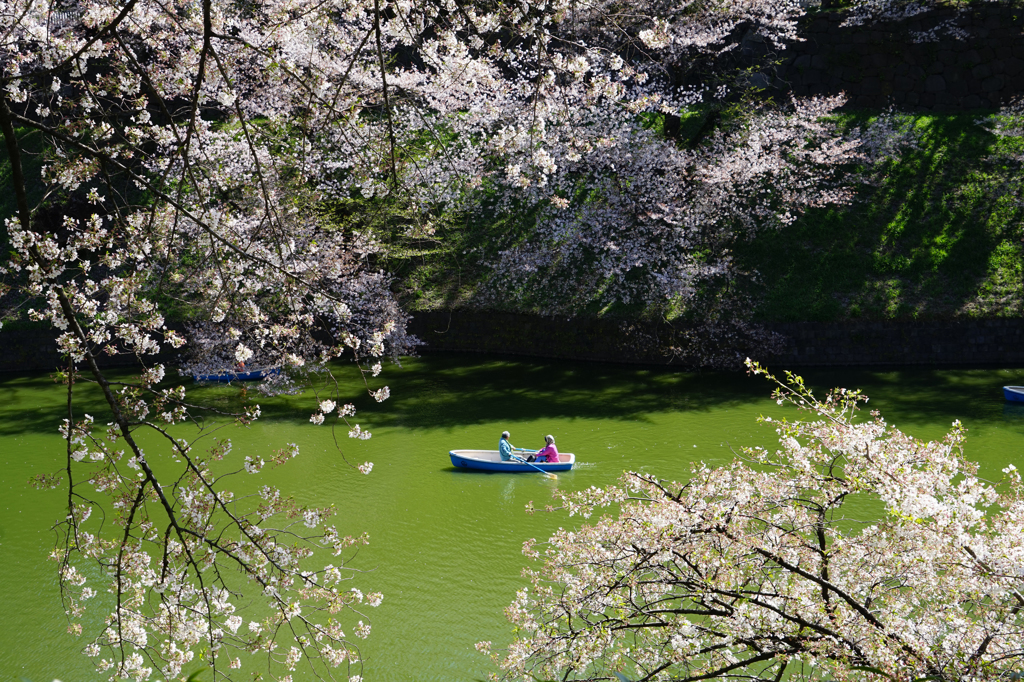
point(939, 235)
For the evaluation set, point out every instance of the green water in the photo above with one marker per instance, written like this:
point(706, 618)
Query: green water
point(445, 544)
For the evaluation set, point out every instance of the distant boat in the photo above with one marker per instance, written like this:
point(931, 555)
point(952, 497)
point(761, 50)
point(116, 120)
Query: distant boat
point(490, 460)
point(1014, 393)
point(252, 375)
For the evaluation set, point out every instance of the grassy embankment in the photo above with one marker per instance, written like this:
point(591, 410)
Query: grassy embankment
point(939, 235)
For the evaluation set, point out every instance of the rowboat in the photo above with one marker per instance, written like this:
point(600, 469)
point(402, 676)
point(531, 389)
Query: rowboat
point(253, 375)
point(1014, 393)
point(490, 460)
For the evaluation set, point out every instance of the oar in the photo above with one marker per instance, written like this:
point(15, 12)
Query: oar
point(531, 464)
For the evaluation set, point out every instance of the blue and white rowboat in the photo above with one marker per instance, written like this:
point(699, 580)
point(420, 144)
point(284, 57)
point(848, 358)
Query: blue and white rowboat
point(490, 460)
point(1014, 393)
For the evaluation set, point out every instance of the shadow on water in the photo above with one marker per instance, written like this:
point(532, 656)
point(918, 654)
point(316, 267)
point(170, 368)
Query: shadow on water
point(450, 391)
point(935, 396)
point(447, 391)
point(460, 390)
point(1013, 413)
point(35, 403)
point(930, 395)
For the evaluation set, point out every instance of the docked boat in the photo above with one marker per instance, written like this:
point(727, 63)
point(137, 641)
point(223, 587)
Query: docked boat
point(253, 375)
point(1014, 393)
point(490, 460)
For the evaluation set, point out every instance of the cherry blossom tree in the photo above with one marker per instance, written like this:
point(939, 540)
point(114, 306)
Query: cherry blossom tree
point(606, 208)
point(181, 175)
point(610, 210)
point(761, 569)
point(868, 12)
point(642, 222)
point(190, 151)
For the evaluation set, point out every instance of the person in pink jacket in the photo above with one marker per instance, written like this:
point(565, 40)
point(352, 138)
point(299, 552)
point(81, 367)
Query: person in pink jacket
point(550, 452)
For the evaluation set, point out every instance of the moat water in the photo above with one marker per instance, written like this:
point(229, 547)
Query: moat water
point(445, 544)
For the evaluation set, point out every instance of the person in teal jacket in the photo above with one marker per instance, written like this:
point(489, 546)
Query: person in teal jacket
point(505, 448)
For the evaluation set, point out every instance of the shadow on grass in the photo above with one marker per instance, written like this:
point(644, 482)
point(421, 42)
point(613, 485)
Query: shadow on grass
point(918, 244)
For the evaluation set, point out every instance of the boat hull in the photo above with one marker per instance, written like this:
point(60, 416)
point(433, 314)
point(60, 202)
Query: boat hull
point(490, 460)
point(1014, 393)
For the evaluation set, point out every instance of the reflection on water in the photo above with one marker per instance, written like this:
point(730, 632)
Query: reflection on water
point(1013, 411)
point(445, 543)
point(508, 492)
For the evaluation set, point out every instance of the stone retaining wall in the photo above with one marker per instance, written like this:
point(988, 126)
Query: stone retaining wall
point(969, 342)
point(804, 344)
point(519, 334)
point(881, 65)
point(35, 350)
point(963, 343)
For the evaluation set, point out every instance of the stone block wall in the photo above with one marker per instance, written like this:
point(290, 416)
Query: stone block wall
point(470, 331)
point(913, 64)
point(897, 343)
point(805, 344)
point(35, 350)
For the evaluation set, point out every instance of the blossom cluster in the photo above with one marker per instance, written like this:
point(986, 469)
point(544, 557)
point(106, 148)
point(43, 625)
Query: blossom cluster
point(183, 173)
point(167, 562)
point(762, 570)
point(195, 152)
